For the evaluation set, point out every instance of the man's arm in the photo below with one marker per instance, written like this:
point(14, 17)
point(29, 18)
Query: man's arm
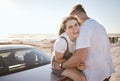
point(79, 56)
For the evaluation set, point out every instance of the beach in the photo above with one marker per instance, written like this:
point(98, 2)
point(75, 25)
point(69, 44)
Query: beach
point(45, 43)
point(115, 53)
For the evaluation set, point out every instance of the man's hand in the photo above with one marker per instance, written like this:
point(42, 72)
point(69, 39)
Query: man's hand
point(82, 66)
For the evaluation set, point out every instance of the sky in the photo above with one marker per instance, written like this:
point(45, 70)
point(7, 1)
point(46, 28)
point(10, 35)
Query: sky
point(45, 16)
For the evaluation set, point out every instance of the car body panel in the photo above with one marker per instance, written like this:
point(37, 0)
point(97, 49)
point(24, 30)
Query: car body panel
point(42, 73)
point(38, 73)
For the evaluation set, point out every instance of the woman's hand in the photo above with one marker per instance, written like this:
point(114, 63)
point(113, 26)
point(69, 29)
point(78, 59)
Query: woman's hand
point(56, 66)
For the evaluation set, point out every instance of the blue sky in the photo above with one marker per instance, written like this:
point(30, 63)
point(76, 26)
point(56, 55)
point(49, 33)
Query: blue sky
point(44, 16)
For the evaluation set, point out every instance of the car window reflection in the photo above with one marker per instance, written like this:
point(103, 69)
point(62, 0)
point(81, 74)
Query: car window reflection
point(16, 60)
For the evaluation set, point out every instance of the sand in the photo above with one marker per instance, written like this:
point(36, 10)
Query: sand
point(45, 44)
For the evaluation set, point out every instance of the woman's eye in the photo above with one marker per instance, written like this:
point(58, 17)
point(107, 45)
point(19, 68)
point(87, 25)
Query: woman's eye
point(70, 27)
point(76, 24)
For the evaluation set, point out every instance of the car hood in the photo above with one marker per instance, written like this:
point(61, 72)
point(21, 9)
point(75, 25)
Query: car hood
point(43, 73)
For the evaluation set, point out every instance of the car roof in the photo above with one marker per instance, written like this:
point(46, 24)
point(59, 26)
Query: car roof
point(14, 46)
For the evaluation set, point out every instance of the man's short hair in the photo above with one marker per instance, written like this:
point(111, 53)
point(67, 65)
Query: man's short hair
point(77, 8)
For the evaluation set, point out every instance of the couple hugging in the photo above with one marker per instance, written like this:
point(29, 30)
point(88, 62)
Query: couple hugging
point(82, 51)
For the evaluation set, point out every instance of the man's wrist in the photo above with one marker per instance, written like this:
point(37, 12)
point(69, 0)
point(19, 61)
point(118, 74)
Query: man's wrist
point(61, 65)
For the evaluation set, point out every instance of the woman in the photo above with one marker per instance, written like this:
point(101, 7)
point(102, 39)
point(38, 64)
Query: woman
point(69, 31)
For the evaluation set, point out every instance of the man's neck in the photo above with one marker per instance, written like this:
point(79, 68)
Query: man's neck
point(84, 19)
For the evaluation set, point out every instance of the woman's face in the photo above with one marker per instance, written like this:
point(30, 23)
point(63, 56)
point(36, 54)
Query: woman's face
point(72, 29)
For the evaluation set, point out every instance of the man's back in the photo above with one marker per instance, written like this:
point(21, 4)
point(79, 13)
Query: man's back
point(99, 63)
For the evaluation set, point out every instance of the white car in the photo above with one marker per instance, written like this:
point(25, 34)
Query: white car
point(24, 63)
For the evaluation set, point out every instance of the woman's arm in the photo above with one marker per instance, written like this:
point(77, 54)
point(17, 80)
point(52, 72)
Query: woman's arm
point(59, 56)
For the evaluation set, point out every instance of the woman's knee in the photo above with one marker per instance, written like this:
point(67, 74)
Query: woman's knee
point(74, 74)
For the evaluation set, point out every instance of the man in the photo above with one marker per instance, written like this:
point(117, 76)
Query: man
point(92, 47)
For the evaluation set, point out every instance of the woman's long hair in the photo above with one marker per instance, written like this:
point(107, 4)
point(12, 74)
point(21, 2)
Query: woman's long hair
point(62, 27)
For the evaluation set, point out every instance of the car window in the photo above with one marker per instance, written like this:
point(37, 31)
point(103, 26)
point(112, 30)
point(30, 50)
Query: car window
point(17, 60)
